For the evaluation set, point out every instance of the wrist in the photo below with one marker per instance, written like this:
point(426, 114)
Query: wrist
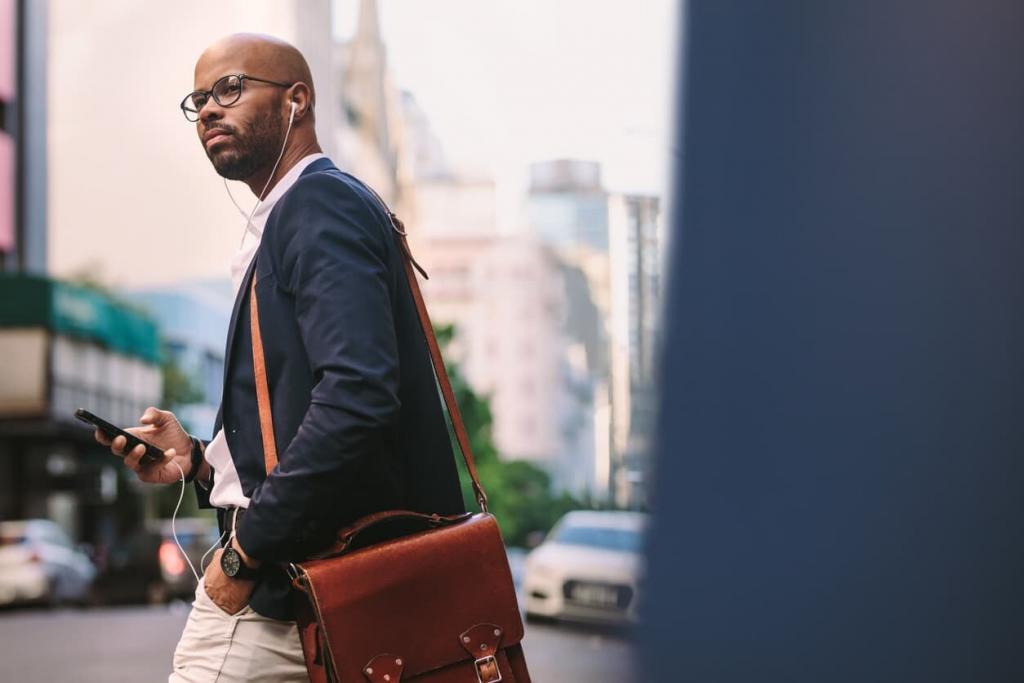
point(250, 562)
point(197, 461)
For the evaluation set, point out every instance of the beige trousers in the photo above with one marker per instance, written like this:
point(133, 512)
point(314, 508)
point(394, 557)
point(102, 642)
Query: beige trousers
point(217, 647)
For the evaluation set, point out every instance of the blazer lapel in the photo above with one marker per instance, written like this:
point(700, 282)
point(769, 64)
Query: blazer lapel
point(321, 164)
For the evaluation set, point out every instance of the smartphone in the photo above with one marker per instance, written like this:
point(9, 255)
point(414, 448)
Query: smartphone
point(152, 454)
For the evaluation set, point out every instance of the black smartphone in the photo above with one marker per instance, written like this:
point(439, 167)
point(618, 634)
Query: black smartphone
point(152, 454)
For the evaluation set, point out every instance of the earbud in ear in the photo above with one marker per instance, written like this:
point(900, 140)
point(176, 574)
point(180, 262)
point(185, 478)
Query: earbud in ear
point(294, 105)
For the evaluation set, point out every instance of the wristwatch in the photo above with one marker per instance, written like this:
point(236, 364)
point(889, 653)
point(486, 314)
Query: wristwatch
point(234, 567)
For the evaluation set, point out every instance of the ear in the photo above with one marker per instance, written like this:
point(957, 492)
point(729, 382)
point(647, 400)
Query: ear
point(302, 98)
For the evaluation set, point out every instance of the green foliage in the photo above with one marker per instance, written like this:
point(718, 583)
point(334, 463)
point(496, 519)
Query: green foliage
point(520, 496)
point(178, 387)
point(519, 493)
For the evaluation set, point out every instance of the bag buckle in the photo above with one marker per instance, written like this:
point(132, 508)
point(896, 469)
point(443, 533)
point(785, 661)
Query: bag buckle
point(487, 670)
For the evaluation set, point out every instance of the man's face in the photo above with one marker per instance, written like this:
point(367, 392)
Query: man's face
point(244, 138)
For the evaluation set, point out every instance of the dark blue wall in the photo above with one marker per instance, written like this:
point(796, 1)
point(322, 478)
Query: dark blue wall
point(839, 491)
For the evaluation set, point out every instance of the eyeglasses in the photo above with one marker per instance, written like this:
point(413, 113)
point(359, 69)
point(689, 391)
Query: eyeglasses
point(225, 92)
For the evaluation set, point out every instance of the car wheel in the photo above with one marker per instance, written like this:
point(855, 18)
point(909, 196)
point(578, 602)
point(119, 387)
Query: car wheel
point(92, 598)
point(52, 599)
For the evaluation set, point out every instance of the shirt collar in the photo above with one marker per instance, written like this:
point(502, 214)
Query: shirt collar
point(259, 218)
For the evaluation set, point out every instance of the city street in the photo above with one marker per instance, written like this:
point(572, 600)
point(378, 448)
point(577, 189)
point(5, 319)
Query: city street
point(135, 644)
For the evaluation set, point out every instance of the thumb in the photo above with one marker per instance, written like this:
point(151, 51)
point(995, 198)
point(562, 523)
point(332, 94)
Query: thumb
point(172, 466)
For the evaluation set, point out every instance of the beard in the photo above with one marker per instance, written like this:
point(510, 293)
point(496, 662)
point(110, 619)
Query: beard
point(250, 152)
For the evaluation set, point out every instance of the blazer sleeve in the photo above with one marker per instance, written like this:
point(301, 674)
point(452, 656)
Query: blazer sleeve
point(334, 262)
point(203, 490)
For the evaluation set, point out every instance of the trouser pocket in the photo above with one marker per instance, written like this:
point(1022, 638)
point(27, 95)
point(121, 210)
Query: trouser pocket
point(205, 641)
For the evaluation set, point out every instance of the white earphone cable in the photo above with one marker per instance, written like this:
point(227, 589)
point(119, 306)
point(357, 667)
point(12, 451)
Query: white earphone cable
point(232, 198)
point(259, 200)
point(174, 531)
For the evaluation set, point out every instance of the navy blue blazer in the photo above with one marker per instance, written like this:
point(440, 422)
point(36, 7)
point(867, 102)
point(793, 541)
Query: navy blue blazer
point(356, 411)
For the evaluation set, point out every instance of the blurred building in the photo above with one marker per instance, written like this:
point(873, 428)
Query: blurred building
point(567, 212)
point(193, 319)
point(567, 204)
point(23, 135)
point(609, 247)
point(369, 130)
point(636, 254)
point(506, 297)
point(67, 347)
point(529, 330)
point(425, 154)
point(8, 126)
point(554, 324)
point(514, 350)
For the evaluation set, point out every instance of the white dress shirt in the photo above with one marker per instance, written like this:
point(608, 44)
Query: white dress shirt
point(227, 489)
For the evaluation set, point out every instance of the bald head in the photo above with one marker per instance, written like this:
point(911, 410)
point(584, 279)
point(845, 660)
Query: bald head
point(250, 122)
point(259, 55)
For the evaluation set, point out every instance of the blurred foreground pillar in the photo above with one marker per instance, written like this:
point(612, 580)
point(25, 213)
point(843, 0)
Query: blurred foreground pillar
point(839, 486)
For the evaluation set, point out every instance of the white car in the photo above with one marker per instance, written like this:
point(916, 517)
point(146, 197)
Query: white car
point(588, 568)
point(38, 563)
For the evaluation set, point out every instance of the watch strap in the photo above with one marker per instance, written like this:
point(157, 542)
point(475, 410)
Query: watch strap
point(197, 459)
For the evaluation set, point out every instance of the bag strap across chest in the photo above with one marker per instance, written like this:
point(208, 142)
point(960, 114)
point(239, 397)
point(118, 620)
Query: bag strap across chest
point(263, 389)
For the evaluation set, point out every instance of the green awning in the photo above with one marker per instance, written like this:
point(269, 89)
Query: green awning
point(76, 311)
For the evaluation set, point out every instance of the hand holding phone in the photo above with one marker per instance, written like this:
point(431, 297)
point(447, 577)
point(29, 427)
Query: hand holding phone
point(160, 436)
point(152, 454)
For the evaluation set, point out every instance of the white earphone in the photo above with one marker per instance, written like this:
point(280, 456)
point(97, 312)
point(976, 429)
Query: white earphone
point(259, 200)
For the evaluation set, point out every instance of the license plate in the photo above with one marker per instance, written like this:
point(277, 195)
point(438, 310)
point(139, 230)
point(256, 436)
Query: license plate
point(594, 595)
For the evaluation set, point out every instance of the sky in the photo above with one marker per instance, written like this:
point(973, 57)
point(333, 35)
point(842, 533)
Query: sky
point(507, 82)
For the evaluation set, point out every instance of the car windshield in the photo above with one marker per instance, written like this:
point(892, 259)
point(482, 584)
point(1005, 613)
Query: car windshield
point(599, 537)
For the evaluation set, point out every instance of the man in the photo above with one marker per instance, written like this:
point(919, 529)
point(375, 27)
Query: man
point(356, 412)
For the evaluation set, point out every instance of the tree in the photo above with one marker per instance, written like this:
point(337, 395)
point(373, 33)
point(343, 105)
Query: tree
point(179, 388)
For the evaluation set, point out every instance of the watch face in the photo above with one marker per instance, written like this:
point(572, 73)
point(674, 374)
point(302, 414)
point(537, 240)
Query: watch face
point(230, 562)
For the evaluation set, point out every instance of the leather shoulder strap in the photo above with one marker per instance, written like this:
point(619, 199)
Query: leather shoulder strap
point(263, 389)
point(259, 367)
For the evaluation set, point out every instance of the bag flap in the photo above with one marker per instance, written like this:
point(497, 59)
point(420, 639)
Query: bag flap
point(416, 598)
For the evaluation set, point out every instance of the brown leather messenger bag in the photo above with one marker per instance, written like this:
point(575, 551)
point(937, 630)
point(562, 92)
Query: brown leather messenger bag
point(435, 605)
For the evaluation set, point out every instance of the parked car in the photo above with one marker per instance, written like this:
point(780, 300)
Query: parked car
point(40, 564)
point(589, 568)
point(146, 566)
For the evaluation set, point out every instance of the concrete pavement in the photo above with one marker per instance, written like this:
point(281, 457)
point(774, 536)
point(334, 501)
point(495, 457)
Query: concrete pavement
point(136, 643)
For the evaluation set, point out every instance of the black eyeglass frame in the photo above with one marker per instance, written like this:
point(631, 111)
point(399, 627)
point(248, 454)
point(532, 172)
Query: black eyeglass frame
point(188, 108)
